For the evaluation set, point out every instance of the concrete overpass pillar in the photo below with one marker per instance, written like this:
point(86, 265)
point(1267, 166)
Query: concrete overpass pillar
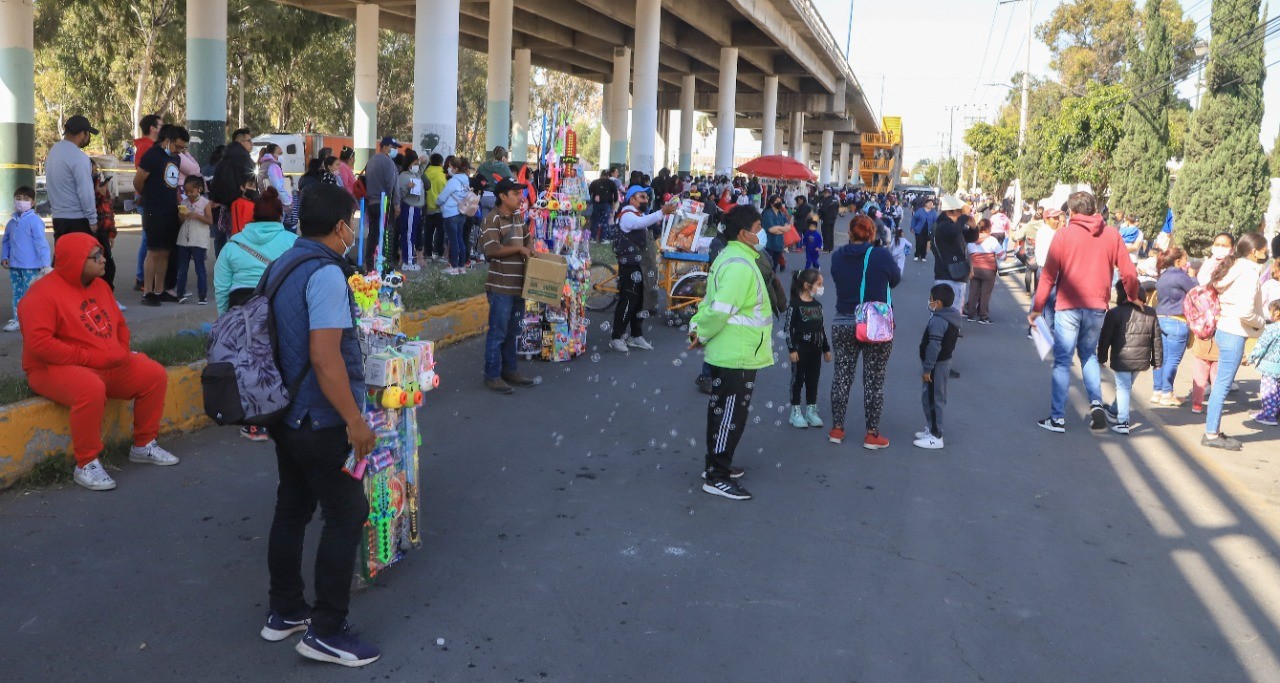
point(206, 76)
point(806, 154)
point(435, 77)
point(644, 117)
point(824, 163)
point(688, 88)
point(520, 108)
point(498, 119)
point(606, 124)
point(17, 100)
point(726, 114)
point(842, 171)
point(364, 128)
point(768, 133)
point(797, 136)
point(621, 105)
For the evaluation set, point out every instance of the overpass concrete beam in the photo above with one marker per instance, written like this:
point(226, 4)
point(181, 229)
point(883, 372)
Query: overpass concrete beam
point(774, 24)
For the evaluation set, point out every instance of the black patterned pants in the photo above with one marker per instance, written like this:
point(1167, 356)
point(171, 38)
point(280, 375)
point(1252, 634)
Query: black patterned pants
point(875, 358)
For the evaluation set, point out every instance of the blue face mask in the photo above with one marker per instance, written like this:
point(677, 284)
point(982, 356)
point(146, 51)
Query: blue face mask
point(393, 152)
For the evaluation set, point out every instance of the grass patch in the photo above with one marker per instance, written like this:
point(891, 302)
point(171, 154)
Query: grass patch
point(13, 388)
point(602, 252)
point(432, 287)
point(57, 469)
point(174, 350)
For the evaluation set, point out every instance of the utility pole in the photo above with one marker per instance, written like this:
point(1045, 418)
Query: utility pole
point(1022, 116)
point(848, 39)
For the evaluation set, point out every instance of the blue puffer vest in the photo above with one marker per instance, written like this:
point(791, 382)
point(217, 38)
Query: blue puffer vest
point(293, 331)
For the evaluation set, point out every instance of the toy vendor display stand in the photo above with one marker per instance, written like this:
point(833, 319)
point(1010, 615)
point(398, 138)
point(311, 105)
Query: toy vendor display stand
point(398, 371)
point(557, 276)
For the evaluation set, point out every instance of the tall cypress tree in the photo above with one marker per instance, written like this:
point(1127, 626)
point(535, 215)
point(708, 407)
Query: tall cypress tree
point(1141, 178)
point(1223, 182)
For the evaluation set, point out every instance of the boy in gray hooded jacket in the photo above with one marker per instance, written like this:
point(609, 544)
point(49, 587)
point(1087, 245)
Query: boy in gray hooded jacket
point(936, 347)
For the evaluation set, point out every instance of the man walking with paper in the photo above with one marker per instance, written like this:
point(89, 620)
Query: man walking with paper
point(1081, 263)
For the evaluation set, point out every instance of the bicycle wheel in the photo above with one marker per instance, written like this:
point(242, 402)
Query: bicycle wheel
point(604, 287)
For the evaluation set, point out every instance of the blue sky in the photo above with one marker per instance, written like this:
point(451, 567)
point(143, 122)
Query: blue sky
point(900, 41)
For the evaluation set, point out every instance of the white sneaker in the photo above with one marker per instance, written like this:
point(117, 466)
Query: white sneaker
point(930, 442)
point(12, 326)
point(639, 343)
point(152, 453)
point(94, 477)
point(121, 306)
point(923, 433)
point(618, 345)
point(1156, 397)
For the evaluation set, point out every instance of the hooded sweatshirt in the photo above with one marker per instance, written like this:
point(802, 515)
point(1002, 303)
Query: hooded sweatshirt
point(940, 336)
point(1080, 263)
point(67, 323)
point(237, 267)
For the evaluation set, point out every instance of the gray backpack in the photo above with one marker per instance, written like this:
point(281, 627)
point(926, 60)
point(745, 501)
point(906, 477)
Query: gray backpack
point(242, 383)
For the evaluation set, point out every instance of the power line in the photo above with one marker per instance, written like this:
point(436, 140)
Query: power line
point(986, 48)
point(1000, 54)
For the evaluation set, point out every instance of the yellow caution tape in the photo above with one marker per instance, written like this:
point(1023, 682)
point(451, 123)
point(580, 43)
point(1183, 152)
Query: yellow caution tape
point(20, 167)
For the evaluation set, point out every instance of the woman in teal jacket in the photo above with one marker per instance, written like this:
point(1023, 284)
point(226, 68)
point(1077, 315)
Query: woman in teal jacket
point(248, 252)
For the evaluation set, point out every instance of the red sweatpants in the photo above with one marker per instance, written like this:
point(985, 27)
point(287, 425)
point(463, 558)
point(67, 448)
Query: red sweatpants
point(85, 391)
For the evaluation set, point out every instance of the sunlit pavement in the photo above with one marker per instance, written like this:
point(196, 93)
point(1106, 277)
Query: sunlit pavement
point(567, 539)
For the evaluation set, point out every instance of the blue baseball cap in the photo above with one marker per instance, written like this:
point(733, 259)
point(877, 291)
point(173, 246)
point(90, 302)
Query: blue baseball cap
point(634, 190)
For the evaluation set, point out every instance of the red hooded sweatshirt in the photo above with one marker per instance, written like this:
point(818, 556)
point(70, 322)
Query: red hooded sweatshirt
point(66, 323)
point(1081, 261)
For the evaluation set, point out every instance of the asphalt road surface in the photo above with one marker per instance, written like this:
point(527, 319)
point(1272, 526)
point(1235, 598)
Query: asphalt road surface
point(567, 539)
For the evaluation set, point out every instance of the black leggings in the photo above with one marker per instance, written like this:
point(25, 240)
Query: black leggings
point(922, 244)
point(630, 302)
point(805, 373)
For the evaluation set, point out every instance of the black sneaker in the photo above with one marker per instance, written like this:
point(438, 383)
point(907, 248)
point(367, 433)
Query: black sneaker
point(1222, 441)
point(953, 374)
point(1120, 427)
point(704, 384)
point(342, 648)
point(279, 627)
point(1112, 416)
point(184, 298)
point(985, 321)
point(727, 488)
point(150, 299)
point(734, 473)
point(1054, 424)
point(1097, 417)
point(166, 297)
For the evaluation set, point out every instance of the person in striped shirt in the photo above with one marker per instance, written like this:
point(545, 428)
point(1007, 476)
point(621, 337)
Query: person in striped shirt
point(506, 243)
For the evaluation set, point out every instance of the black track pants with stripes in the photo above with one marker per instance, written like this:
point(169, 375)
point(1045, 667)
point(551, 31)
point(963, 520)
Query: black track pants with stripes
point(726, 417)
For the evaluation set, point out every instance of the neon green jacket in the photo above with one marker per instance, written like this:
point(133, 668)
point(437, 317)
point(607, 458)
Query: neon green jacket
point(733, 320)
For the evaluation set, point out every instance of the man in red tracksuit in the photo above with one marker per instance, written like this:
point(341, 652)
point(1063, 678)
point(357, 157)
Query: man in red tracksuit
point(75, 351)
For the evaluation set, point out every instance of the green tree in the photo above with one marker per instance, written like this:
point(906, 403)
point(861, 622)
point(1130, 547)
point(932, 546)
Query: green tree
point(1273, 161)
point(1143, 189)
point(924, 171)
point(997, 150)
point(1223, 180)
point(1036, 170)
point(1088, 39)
point(950, 174)
point(1085, 134)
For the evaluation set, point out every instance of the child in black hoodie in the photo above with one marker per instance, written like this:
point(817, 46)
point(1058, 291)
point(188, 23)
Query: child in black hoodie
point(936, 346)
point(1131, 339)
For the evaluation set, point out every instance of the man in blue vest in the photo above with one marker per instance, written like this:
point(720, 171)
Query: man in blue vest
point(316, 341)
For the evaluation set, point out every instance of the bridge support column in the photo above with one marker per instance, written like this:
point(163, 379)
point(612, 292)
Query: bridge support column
point(726, 114)
point(768, 132)
point(644, 115)
point(797, 135)
point(805, 154)
point(606, 125)
point(18, 105)
point(206, 76)
point(435, 77)
point(498, 119)
point(621, 104)
point(824, 163)
point(688, 89)
point(364, 126)
point(842, 171)
point(520, 108)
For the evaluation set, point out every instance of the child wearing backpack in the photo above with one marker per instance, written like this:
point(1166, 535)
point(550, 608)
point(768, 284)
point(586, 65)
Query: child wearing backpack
point(1266, 357)
point(1130, 338)
point(807, 344)
point(936, 346)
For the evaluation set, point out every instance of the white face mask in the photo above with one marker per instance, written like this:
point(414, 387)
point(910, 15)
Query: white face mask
point(413, 168)
point(817, 292)
point(759, 245)
point(22, 205)
point(346, 248)
point(1220, 252)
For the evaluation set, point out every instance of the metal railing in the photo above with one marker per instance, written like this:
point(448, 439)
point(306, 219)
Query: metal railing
point(879, 139)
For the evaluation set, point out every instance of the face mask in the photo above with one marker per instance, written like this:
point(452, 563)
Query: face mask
point(1220, 252)
point(644, 207)
point(817, 292)
point(413, 168)
point(759, 245)
point(346, 248)
point(251, 195)
point(22, 205)
point(393, 152)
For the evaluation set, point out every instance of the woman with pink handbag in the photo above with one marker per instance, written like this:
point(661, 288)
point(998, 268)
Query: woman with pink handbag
point(864, 277)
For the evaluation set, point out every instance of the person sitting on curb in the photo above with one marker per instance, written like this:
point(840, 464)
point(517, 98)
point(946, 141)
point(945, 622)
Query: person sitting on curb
point(75, 351)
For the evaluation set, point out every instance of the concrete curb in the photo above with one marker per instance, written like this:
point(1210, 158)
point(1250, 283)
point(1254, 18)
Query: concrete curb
point(37, 428)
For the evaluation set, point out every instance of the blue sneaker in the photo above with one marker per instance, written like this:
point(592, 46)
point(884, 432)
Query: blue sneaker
point(341, 648)
point(278, 627)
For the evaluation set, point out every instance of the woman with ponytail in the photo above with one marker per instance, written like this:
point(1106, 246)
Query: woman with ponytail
point(1171, 288)
point(1237, 279)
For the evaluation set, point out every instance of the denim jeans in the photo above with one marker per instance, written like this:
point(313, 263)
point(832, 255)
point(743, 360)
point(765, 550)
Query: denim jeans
point(1230, 353)
point(1124, 393)
point(500, 341)
point(1173, 336)
point(142, 254)
point(1075, 330)
point(457, 245)
point(198, 255)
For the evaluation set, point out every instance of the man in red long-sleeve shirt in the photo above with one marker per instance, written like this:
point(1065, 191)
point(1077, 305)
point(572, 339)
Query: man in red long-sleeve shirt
point(75, 351)
point(1082, 262)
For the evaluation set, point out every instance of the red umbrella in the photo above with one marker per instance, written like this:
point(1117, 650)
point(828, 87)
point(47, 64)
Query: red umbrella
point(777, 166)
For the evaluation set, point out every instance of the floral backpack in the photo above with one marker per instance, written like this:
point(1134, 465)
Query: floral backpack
point(1201, 309)
point(874, 318)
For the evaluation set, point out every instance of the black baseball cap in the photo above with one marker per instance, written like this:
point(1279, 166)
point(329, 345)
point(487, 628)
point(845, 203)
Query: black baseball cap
point(78, 124)
point(389, 141)
point(505, 185)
